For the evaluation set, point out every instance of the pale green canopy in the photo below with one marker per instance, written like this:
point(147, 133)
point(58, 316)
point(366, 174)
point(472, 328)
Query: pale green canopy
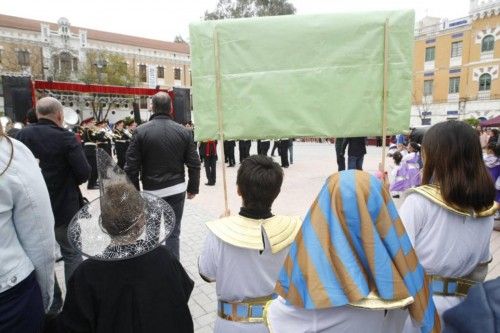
point(302, 76)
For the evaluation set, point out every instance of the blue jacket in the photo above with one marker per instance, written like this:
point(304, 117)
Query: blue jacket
point(479, 312)
point(63, 163)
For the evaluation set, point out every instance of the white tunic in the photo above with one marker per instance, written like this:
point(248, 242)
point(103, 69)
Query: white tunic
point(240, 274)
point(446, 243)
point(284, 318)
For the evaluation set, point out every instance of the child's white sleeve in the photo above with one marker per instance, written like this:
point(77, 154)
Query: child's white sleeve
point(207, 262)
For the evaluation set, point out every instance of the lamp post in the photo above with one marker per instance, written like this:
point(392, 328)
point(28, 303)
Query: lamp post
point(100, 65)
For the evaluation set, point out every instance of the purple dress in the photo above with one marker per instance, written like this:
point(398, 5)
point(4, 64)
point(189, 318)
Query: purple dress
point(493, 165)
point(408, 175)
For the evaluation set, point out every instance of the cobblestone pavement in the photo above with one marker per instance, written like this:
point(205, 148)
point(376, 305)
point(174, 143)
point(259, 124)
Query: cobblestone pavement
point(313, 162)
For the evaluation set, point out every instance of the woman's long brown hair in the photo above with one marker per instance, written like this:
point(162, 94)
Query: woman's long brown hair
point(453, 160)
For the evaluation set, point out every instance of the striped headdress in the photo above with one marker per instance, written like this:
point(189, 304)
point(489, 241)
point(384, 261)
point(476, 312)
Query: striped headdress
point(351, 243)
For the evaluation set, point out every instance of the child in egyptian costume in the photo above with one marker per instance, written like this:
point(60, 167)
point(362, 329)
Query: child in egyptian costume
point(449, 219)
point(243, 254)
point(351, 267)
point(129, 283)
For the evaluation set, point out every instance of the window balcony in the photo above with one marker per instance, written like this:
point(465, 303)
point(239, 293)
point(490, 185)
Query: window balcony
point(453, 98)
point(429, 66)
point(487, 55)
point(484, 95)
point(426, 100)
point(455, 62)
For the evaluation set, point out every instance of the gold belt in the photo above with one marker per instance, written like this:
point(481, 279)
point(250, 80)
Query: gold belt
point(249, 311)
point(449, 286)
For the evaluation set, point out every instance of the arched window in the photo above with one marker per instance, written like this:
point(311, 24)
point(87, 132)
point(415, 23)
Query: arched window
point(488, 43)
point(485, 82)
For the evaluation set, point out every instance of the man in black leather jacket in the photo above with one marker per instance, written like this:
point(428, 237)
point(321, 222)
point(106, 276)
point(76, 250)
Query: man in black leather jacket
point(159, 150)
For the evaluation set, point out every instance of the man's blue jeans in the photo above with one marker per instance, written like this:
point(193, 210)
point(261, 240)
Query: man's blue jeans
point(355, 162)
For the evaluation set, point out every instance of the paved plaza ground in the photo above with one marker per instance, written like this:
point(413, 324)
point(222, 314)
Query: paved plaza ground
point(313, 162)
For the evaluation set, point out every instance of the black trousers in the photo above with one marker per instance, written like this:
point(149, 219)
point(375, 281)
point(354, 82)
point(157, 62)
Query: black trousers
point(244, 147)
point(263, 147)
point(340, 148)
point(229, 153)
point(175, 201)
point(283, 150)
point(90, 155)
point(275, 146)
point(210, 168)
point(121, 151)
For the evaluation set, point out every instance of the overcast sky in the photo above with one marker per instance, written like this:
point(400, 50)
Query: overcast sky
point(160, 19)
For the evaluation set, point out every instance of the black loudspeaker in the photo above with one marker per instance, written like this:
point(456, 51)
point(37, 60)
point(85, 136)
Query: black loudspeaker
point(137, 113)
point(182, 105)
point(17, 97)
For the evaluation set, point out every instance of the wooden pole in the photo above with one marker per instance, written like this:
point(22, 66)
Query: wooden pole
point(385, 96)
point(220, 118)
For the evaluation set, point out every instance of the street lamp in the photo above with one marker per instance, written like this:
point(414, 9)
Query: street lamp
point(100, 65)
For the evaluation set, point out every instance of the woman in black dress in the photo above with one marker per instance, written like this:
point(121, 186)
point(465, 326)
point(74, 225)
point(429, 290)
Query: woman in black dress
point(129, 283)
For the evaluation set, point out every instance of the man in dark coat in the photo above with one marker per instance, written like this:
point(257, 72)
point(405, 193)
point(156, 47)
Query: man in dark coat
point(64, 168)
point(160, 149)
point(356, 152)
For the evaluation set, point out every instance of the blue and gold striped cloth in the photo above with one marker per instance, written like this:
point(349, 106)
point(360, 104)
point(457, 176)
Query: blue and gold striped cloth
point(351, 243)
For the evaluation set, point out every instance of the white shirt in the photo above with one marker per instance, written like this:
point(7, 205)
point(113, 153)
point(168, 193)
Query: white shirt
point(240, 274)
point(168, 191)
point(446, 243)
point(27, 240)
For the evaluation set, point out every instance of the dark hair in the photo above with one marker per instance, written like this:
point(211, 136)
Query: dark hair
point(259, 181)
point(453, 160)
point(31, 117)
point(116, 221)
point(492, 146)
point(397, 157)
point(495, 132)
point(415, 146)
point(161, 103)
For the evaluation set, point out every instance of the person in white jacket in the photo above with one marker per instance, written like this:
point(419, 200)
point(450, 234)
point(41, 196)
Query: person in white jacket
point(27, 240)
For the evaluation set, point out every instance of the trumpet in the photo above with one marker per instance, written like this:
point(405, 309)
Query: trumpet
point(127, 133)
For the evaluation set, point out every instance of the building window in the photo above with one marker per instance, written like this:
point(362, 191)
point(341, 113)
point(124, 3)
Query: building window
point(454, 85)
point(428, 87)
point(488, 43)
point(430, 53)
point(65, 59)
point(177, 73)
point(485, 82)
point(23, 58)
point(142, 73)
point(456, 49)
point(161, 72)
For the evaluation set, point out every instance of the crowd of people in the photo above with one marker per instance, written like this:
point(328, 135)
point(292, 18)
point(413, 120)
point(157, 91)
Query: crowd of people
point(354, 263)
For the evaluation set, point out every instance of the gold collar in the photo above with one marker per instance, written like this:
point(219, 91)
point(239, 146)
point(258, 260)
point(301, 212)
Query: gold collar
point(433, 193)
point(247, 233)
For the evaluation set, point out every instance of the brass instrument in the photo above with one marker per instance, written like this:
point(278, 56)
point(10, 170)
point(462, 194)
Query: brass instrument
point(70, 117)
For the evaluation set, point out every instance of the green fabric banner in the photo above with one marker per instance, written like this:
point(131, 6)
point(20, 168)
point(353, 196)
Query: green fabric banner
point(302, 76)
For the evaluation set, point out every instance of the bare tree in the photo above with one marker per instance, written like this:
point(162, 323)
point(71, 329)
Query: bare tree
point(249, 8)
point(423, 107)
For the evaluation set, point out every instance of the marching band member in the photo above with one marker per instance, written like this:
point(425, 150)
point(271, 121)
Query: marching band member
point(89, 139)
point(122, 140)
point(104, 136)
